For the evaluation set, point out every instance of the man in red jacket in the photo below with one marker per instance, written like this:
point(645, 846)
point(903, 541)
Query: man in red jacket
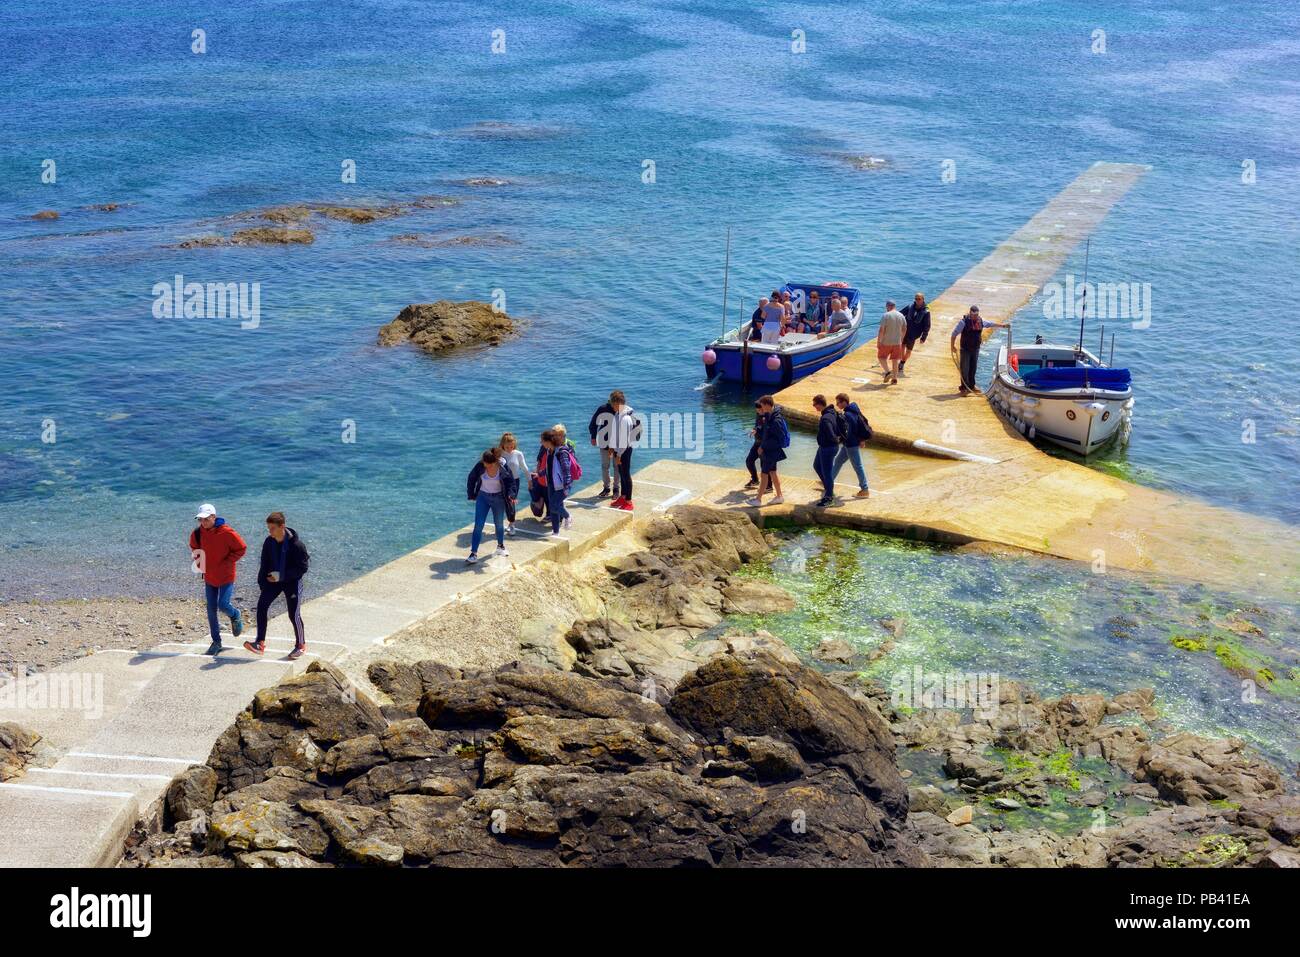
point(215, 547)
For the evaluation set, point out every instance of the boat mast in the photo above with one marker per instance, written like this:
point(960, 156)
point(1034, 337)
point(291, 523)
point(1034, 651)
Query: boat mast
point(1083, 316)
point(726, 272)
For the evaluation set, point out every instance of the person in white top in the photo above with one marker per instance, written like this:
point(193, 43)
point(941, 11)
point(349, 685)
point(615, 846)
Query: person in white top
point(508, 449)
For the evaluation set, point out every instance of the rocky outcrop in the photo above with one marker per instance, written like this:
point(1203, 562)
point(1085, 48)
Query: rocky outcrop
point(46, 214)
point(755, 761)
point(1210, 803)
point(18, 748)
point(254, 236)
point(437, 327)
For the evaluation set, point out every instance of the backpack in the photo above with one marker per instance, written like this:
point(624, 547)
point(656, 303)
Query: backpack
point(865, 426)
point(785, 433)
point(575, 467)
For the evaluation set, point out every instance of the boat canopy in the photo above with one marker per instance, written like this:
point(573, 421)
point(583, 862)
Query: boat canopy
point(1078, 377)
point(824, 293)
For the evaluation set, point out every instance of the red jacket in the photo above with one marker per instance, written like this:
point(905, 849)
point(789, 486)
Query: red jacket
point(222, 547)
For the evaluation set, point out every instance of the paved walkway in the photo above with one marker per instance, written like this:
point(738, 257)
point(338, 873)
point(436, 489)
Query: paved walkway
point(137, 718)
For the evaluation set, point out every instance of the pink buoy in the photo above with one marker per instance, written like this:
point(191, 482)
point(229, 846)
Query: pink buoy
point(774, 362)
point(709, 357)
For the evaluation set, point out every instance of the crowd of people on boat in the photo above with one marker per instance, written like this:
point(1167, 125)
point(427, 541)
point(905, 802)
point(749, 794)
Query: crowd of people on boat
point(780, 315)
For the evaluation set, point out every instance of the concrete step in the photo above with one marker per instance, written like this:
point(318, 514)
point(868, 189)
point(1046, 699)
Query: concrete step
point(189, 702)
point(45, 827)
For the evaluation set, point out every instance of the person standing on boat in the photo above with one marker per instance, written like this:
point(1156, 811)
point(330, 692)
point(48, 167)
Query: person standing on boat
point(856, 432)
point(773, 441)
point(599, 429)
point(283, 566)
point(489, 486)
point(773, 319)
point(889, 341)
point(829, 437)
point(970, 330)
point(756, 321)
point(917, 314)
point(509, 453)
point(215, 548)
point(624, 433)
point(559, 478)
point(751, 460)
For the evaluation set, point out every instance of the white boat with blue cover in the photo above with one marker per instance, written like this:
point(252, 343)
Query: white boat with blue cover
point(737, 357)
point(1062, 394)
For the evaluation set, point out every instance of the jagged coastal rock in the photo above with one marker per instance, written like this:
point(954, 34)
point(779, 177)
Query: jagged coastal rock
point(436, 327)
point(46, 214)
point(18, 748)
point(753, 761)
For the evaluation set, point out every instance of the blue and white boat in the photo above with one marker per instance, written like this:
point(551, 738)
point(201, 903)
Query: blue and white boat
point(1062, 394)
point(736, 357)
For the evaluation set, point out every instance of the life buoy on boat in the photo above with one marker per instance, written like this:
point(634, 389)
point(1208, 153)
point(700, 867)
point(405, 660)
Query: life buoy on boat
point(836, 285)
point(1014, 362)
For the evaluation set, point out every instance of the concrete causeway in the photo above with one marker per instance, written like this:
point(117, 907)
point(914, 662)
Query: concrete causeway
point(146, 715)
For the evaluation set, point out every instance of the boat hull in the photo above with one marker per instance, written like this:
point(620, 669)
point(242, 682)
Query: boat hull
point(732, 359)
point(1081, 420)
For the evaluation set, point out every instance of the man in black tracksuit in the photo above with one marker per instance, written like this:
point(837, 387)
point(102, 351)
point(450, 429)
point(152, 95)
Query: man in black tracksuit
point(284, 565)
point(830, 434)
point(917, 314)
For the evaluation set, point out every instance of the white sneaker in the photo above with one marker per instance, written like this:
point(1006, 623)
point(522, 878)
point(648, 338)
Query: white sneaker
point(501, 552)
point(756, 503)
point(779, 500)
point(555, 534)
point(510, 529)
point(568, 522)
point(472, 558)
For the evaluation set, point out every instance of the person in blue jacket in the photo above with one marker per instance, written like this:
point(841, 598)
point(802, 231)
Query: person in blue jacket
point(856, 433)
point(829, 437)
point(489, 485)
point(283, 567)
point(559, 478)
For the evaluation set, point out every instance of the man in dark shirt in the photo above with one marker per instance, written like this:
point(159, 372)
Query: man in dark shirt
point(917, 314)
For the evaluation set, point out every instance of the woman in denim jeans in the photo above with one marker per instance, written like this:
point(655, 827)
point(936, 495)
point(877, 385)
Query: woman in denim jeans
point(490, 485)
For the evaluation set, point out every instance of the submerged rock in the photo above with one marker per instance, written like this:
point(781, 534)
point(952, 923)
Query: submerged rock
point(253, 236)
point(436, 327)
point(46, 214)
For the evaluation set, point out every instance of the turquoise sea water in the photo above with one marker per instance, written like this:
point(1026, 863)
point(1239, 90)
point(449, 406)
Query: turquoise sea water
point(618, 280)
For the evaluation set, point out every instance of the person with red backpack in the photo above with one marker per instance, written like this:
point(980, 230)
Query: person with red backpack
point(555, 467)
point(215, 548)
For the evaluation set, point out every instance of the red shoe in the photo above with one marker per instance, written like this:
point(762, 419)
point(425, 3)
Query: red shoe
point(618, 502)
point(625, 505)
point(256, 648)
point(296, 653)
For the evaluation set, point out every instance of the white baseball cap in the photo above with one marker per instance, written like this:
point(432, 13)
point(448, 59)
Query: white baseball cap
point(206, 510)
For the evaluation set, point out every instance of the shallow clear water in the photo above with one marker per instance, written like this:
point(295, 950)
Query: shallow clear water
point(1053, 625)
point(617, 280)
